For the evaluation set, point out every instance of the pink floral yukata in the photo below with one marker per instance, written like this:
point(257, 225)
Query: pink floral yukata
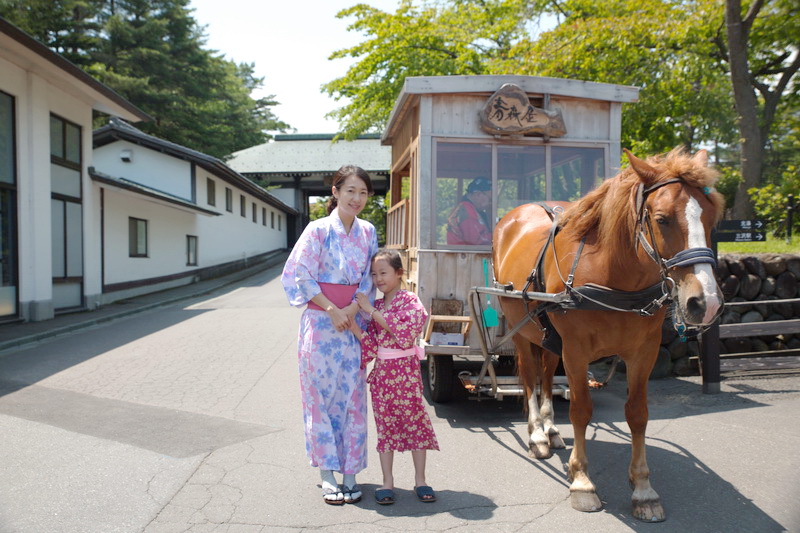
point(332, 384)
point(396, 384)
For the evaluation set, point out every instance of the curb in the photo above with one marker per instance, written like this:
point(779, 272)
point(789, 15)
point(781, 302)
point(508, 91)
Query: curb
point(238, 276)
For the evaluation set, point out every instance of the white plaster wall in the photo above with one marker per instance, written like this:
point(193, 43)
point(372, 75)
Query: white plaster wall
point(221, 239)
point(166, 238)
point(231, 236)
point(287, 196)
point(148, 167)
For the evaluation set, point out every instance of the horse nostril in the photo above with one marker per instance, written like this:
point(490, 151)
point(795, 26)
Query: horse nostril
point(696, 306)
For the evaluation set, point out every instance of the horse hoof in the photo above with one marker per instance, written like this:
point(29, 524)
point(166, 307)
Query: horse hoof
point(539, 450)
point(556, 442)
point(648, 511)
point(585, 502)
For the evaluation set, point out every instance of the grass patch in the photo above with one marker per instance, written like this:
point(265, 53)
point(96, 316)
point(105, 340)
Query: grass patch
point(773, 245)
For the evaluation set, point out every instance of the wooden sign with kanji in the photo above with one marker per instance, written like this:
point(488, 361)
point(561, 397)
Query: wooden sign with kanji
point(509, 112)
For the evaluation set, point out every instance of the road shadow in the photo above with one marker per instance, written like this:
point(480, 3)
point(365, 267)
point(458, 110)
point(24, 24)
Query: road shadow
point(694, 496)
point(461, 504)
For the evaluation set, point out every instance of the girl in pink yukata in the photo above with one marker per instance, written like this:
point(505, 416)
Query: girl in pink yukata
point(328, 266)
point(395, 381)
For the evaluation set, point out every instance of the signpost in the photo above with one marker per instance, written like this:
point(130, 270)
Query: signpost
point(743, 230)
point(747, 230)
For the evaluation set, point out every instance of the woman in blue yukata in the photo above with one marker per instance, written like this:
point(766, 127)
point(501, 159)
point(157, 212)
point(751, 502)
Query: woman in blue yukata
point(327, 267)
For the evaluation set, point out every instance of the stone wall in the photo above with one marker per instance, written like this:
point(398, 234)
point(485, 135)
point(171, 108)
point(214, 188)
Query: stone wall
point(743, 278)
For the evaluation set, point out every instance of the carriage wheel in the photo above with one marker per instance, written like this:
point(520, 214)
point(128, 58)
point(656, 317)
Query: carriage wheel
point(440, 377)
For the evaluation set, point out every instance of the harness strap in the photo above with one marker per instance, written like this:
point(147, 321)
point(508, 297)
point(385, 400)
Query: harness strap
point(692, 256)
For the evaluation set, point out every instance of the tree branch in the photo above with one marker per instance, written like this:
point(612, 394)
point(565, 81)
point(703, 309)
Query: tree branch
point(752, 13)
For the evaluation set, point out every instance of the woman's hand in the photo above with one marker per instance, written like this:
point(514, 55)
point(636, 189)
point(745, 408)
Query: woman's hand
point(339, 318)
point(363, 302)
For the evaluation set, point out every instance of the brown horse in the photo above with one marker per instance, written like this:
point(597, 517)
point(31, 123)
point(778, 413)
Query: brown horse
point(646, 228)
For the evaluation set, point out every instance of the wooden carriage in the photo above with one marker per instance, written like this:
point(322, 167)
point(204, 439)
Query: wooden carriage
point(534, 138)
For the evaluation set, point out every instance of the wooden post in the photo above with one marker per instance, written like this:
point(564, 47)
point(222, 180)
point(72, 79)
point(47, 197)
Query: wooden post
point(709, 347)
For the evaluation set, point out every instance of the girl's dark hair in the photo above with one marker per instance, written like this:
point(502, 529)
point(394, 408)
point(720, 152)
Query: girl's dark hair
point(342, 174)
point(390, 256)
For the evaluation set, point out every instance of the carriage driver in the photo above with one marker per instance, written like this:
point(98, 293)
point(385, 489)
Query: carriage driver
point(469, 221)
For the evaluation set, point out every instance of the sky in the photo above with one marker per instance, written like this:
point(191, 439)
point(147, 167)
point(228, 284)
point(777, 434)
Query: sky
point(290, 45)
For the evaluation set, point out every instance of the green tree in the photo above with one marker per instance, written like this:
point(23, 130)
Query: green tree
point(447, 38)
point(152, 53)
point(676, 52)
point(69, 27)
point(762, 51)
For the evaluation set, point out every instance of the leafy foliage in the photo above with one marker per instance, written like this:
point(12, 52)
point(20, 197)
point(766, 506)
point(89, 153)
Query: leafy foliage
point(435, 38)
point(152, 53)
point(676, 52)
point(771, 201)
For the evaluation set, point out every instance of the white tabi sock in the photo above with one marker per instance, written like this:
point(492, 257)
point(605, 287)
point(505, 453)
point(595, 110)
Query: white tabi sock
point(328, 481)
point(349, 480)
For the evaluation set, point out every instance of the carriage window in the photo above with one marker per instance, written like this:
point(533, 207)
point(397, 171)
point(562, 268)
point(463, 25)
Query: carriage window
point(463, 195)
point(575, 171)
point(521, 177)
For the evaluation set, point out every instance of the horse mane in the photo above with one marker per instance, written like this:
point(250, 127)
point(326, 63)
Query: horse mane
point(610, 207)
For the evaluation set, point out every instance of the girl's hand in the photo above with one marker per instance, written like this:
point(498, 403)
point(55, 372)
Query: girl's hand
point(363, 301)
point(339, 319)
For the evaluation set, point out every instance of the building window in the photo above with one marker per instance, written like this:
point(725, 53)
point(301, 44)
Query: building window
point(137, 237)
point(8, 206)
point(255, 215)
point(263, 216)
point(65, 141)
point(228, 199)
point(211, 189)
point(279, 222)
point(191, 250)
point(272, 219)
point(242, 206)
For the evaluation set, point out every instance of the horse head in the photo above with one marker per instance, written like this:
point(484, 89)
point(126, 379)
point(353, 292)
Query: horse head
point(676, 208)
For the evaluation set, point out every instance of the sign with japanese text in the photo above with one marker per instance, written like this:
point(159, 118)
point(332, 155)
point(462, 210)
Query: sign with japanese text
point(740, 236)
point(741, 225)
point(510, 112)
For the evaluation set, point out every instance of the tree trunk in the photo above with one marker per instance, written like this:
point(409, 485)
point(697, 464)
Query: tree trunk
point(752, 144)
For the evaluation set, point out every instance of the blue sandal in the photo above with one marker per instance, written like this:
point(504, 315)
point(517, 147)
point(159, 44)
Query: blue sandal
point(384, 496)
point(425, 494)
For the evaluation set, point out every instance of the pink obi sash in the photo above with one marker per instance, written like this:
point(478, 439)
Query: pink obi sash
point(394, 353)
point(339, 295)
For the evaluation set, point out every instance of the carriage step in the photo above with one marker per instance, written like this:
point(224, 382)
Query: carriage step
point(508, 386)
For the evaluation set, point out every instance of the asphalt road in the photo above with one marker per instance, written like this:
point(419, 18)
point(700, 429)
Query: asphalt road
point(187, 418)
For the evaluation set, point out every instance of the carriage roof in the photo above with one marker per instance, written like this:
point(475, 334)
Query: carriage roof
point(413, 87)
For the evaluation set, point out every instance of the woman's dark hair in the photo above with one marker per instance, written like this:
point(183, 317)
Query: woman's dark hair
point(342, 174)
point(390, 256)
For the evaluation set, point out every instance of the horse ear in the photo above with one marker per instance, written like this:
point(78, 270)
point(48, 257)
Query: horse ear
point(646, 173)
point(701, 158)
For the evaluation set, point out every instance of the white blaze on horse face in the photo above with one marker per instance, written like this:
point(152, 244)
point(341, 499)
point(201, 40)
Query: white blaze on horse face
point(703, 271)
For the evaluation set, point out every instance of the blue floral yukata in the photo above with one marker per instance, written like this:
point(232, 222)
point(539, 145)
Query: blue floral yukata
point(332, 384)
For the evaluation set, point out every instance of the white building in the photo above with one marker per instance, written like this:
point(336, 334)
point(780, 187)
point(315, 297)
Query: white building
point(80, 228)
point(169, 215)
point(46, 103)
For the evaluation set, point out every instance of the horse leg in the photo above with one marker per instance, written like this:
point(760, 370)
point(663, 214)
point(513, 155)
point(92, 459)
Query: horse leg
point(549, 365)
point(646, 501)
point(529, 367)
point(583, 494)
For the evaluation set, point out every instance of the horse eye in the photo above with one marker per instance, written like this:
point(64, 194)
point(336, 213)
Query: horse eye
point(663, 221)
